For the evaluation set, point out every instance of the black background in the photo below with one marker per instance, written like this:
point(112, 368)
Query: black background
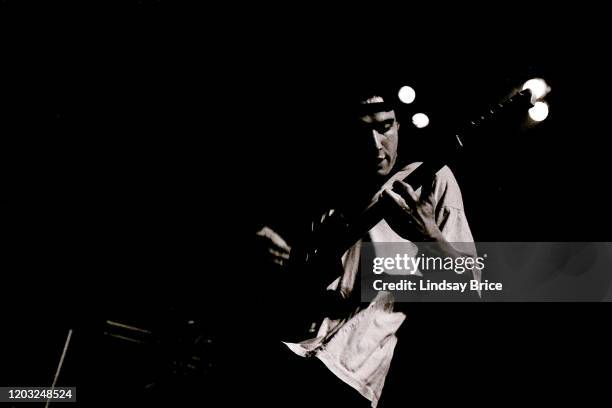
point(142, 144)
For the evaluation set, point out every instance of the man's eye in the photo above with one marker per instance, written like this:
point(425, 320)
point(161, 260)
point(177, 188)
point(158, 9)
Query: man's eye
point(384, 128)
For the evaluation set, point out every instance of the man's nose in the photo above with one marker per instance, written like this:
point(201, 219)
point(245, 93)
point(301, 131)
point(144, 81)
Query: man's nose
point(377, 137)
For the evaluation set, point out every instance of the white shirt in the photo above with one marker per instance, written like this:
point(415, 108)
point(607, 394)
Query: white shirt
point(358, 348)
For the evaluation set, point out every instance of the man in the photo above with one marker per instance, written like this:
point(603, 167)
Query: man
point(358, 346)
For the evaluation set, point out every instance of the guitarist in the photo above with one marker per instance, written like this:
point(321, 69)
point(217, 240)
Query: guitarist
point(357, 346)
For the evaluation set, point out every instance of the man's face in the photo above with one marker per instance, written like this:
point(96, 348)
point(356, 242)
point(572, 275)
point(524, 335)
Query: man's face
point(378, 136)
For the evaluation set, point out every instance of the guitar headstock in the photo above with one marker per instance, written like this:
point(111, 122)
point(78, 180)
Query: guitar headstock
point(516, 104)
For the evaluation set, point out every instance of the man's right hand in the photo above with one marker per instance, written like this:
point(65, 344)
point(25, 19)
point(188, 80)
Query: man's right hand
point(272, 246)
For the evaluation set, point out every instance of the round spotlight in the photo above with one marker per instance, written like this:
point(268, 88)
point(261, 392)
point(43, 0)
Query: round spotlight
point(538, 87)
point(539, 111)
point(420, 120)
point(406, 94)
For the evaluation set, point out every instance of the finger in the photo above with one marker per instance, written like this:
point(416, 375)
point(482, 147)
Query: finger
point(406, 191)
point(279, 242)
point(393, 197)
point(278, 254)
point(280, 248)
point(427, 192)
point(276, 239)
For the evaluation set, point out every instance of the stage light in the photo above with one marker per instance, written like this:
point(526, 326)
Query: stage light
point(539, 111)
point(406, 94)
point(420, 120)
point(538, 87)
